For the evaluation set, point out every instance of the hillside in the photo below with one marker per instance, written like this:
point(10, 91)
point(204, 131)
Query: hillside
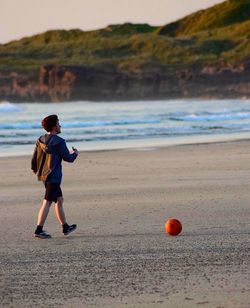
point(221, 15)
point(109, 60)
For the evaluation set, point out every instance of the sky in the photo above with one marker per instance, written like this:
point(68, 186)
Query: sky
point(21, 18)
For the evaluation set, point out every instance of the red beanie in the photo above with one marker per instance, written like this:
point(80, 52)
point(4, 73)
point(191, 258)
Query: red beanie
point(49, 122)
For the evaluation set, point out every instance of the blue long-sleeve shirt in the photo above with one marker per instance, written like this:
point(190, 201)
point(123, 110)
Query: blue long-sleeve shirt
point(55, 147)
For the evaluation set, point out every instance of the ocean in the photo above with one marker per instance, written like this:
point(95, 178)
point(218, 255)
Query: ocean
point(115, 125)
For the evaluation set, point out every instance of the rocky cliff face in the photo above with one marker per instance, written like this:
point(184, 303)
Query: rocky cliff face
point(71, 83)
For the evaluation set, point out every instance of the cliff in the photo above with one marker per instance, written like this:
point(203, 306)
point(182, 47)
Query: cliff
point(70, 83)
point(206, 54)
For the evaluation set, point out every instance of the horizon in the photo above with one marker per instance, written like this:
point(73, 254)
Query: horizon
point(33, 19)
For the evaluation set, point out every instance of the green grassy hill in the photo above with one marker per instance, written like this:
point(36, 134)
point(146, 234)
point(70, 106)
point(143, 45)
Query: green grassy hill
point(220, 33)
point(221, 15)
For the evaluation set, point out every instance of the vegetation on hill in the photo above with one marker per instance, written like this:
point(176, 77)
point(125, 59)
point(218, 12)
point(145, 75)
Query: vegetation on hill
point(220, 33)
point(219, 16)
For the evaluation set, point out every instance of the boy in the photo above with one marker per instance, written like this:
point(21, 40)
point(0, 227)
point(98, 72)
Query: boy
point(49, 152)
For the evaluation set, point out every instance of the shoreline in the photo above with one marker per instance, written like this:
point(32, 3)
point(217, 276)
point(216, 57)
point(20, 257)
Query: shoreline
point(141, 144)
point(138, 99)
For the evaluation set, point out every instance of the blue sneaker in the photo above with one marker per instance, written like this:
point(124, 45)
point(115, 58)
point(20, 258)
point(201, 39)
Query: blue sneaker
point(69, 229)
point(42, 234)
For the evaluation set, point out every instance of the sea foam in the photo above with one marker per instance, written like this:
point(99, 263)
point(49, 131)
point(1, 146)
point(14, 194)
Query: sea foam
point(8, 107)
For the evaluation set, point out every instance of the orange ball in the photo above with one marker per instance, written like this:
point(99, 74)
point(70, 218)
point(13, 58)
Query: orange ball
point(173, 226)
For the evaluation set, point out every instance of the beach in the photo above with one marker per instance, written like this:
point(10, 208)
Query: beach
point(120, 255)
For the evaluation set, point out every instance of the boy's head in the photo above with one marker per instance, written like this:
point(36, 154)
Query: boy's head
point(49, 122)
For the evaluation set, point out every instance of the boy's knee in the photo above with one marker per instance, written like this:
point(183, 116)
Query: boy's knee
point(47, 203)
point(60, 200)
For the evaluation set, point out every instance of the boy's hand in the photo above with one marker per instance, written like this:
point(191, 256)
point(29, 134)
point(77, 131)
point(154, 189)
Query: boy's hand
point(75, 150)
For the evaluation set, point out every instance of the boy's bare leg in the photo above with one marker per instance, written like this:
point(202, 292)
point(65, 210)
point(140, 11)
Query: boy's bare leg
point(62, 219)
point(43, 212)
point(60, 211)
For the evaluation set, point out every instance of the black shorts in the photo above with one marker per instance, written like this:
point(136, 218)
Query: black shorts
point(52, 192)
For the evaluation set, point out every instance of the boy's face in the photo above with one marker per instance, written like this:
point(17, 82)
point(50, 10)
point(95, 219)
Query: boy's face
point(58, 127)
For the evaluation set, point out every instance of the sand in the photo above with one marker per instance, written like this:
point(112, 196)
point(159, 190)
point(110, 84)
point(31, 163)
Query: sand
point(120, 255)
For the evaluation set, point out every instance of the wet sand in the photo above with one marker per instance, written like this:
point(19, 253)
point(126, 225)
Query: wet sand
point(120, 255)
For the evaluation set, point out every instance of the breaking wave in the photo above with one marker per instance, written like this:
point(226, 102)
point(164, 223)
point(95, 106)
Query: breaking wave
point(8, 107)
